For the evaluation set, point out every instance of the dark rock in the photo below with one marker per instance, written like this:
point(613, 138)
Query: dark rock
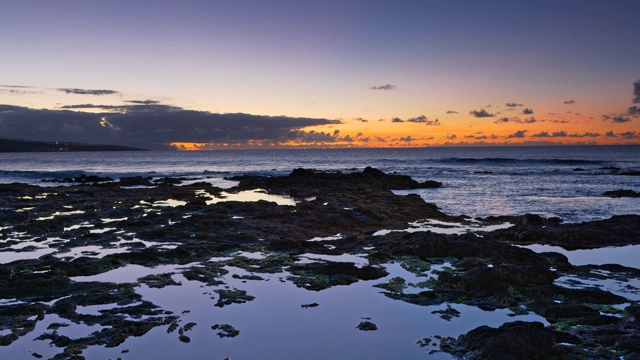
point(367, 326)
point(516, 340)
point(621, 193)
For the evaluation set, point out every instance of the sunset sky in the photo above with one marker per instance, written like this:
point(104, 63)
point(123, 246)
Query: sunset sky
point(281, 73)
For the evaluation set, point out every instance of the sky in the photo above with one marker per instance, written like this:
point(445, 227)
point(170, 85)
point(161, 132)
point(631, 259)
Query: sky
point(247, 74)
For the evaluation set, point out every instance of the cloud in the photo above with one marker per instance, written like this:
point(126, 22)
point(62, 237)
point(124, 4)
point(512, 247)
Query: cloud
point(397, 120)
point(636, 92)
point(610, 134)
point(558, 121)
point(617, 119)
point(545, 134)
point(361, 120)
point(512, 105)
point(482, 137)
point(629, 135)
point(569, 102)
point(451, 136)
point(452, 112)
point(542, 134)
point(424, 120)
point(633, 111)
point(143, 102)
point(527, 111)
point(88, 91)
point(516, 120)
point(481, 113)
point(517, 135)
point(407, 138)
point(418, 119)
point(152, 107)
point(383, 87)
point(152, 126)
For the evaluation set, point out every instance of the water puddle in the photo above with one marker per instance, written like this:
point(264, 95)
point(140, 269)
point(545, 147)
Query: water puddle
point(628, 288)
point(60, 213)
point(623, 255)
point(447, 228)
point(327, 238)
point(276, 323)
point(359, 260)
point(246, 196)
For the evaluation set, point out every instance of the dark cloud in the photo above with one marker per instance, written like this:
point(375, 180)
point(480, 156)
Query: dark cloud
point(542, 134)
point(383, 87)
point(407, 138)
point(516, 120)
point(590, 134)
point(527, 111)
point(452, 112)
point(636, 92)
point(143, 102)
point(361, 120)
point(151, 126)
point(396, 120)
point(629, 135)
point(633, 111)
point(451, 136)
point(311, 136)
point(88, 91)
point(610, 134)
point(558, 121)
point(424, 120)
point(418, 119)
point(618, 119)
point(481, 113)
point(512, 104)
point(153, 107)
point(545, 134)
point(569, 102)
point(517, 135)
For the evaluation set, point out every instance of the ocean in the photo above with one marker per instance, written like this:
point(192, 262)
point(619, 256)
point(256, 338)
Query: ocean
point(563, 181)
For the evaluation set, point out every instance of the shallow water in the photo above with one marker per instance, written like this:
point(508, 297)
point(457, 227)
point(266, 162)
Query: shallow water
point(274, 325)
point(622, 255)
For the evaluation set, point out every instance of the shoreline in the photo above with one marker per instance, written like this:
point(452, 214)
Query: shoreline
point(136, 221)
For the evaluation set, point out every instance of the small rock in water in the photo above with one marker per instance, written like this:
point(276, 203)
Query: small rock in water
point(367, 326)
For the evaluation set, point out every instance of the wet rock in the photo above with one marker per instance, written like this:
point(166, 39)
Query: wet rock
point(319, 276)
point(135, 181)
point(159, 281)
point(367, 326)
point(448, 313)
point(621, 193)
point(569, 310)
point(234, 296)
point(226, 330)
point(615, 231)
point(516, 340)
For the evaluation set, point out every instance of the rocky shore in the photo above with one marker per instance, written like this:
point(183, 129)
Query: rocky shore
point(89, 226)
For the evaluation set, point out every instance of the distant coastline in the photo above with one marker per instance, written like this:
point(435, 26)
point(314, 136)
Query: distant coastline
point(12, 145)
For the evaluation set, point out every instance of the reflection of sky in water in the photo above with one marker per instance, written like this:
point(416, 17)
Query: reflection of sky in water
point(442, 227)
point(623, 255)
point(629, 289)
point(274, 326)
point(246, 196)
